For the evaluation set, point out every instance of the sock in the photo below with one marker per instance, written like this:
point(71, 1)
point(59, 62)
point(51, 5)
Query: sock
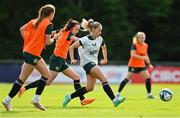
point(79, 92)
point(148, 85)
point(36, 98)
point(32, 85)
point(108, 90)
point(77, 86)
point(16, 87)
point(123, 83)
point(8, 99)
point(118, 95)
point(41, 85)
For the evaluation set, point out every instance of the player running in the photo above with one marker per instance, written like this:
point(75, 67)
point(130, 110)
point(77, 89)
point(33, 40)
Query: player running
point(33, 46)
point(58, 59)
point(88, 50)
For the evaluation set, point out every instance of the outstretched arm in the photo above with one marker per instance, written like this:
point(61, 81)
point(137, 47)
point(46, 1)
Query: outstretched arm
point(104, 53)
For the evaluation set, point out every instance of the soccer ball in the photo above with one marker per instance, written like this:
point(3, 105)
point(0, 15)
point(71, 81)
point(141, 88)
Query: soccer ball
point(166, 94)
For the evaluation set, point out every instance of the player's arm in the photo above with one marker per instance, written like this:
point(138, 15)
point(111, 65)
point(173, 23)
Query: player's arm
point(104, 53)
point(73, 37)
point(22, 30)
point(54, 32)
point(133, 53)
point(148, 62)
point(48, 32)
point(71, 51)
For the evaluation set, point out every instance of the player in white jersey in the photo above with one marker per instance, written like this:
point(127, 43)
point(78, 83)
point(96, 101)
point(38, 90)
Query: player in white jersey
point(88, 50)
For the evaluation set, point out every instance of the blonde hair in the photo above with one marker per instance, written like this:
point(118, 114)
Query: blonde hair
point(88, 25)
point(136, 36)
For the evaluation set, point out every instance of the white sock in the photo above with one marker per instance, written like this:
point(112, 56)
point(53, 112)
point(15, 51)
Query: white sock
point(36, 98)
point(118, 94)
point(8, 99)
point(149, 93)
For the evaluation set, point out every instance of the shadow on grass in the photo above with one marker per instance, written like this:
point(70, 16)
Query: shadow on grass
point(135, 99)
point(16, 112)
point(79, 107)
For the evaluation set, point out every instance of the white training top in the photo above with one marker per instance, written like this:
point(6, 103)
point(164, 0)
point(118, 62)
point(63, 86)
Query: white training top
point(89, 49)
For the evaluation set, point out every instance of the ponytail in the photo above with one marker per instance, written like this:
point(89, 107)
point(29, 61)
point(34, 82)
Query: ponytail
point(44, 12)
point(89, 25)
point(86, 25)
point(70, 24)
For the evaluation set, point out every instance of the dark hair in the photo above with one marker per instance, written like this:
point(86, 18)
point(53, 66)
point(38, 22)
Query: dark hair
point(89, 25)
point(70, 24)
point(44, 12)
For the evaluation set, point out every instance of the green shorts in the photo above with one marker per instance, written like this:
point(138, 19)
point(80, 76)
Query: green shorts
point(136, 70)
point(57, 64)
point(30, 59)
point(88, 67)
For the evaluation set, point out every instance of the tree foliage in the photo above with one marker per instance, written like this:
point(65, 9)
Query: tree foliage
point(121, 20)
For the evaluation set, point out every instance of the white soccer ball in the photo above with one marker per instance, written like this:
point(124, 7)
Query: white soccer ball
point(166, 94)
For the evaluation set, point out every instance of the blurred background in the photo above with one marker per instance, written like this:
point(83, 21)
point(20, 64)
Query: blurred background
point(121, 20)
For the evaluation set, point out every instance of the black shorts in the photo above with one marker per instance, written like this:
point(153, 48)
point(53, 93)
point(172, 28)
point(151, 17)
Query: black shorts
point(136, 70)
point(57, 64)
point(87, 67)
point(30, 59)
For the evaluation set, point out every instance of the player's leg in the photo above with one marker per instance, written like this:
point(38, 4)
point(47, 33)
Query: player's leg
point(76, 79)
point(97, 73)
point(83, 90)
point(33, 84)
point(124, 82)
point(25, 72)
point(89, 87)
point(55, 66)
point(145, 74)
point(41, 85)
point(80, 91)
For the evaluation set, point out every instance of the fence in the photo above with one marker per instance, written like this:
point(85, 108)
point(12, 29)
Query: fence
point(10, 71)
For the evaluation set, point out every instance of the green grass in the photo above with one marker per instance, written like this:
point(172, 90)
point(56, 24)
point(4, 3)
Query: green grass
point(136, 104)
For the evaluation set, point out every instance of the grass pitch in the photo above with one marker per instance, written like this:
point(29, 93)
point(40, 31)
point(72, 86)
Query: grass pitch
point(135, 105)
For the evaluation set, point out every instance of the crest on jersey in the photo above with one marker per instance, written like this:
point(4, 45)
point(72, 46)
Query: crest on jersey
point(93, 44)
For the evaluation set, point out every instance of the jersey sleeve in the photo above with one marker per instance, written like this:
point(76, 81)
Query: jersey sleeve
point(82, 41)
point(103, 43)
point(69, 36)
point(49, 29)
point(133, 47)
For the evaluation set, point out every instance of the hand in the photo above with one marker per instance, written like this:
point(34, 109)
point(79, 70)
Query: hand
point(74, 61)
point(145, 58)
point(150, 68)
point(53, 33)
point(56, 36)
point(103, 61)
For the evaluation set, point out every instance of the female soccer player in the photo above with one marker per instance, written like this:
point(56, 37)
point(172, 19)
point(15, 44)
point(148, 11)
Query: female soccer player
point(32, 54)
point(88, 50)
point(58, 59)
point(137, 63)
